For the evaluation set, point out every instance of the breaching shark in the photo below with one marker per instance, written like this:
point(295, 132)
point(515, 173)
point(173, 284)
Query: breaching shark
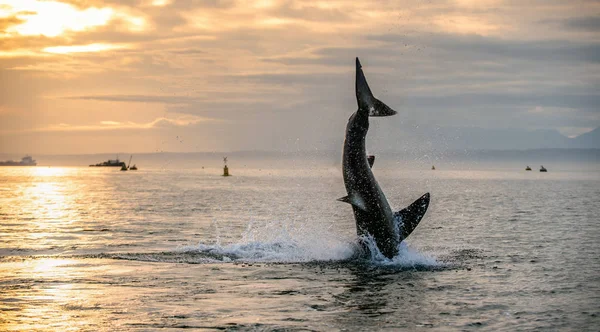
point(374, 217)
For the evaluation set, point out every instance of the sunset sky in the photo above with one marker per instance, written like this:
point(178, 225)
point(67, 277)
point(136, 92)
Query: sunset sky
point(103, 76)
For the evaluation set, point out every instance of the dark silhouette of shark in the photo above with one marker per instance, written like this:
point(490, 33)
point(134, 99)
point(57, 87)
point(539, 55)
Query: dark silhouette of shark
point(372, 212)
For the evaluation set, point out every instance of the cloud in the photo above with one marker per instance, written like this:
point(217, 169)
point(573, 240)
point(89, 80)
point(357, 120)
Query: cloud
point(577, 101)
point(139, 98)
point(485, 48)
point(38, 17)
point(189, 51)
point(82, 48)
point(32, 24)
point(586, 23)
point(180, 121)
point(8, 22)
point(307, 11)
point(110, 123)
point(191, 104)
point(263, 68)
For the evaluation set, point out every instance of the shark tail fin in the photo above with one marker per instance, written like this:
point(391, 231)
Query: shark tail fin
point(380, 109)
point(365, 98)
point(412, 215)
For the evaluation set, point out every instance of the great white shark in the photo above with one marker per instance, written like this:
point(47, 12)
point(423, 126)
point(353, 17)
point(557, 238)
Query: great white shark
point(373, 214)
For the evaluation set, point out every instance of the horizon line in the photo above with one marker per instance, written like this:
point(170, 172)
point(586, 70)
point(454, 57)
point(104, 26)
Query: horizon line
point(410, 151)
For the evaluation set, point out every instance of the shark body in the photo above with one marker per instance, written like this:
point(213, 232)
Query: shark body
point(373, 214)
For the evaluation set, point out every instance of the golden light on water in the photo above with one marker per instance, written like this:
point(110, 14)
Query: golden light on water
point(48, 171)
point(47, 202)
point(45, 303)
point(47, 266)
point(51, 210)
point(52, 205)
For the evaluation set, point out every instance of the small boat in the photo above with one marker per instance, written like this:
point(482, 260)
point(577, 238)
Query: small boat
point(433, 167)
point(124, 167)
point(111, 163)
point(25, 161)
point(528, 168)
point(133, 168)
point(543, 169)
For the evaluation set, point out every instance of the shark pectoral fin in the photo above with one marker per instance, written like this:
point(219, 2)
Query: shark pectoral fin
point(380, 109)
point(371, 160)
point(354, 200)
point(412, 215)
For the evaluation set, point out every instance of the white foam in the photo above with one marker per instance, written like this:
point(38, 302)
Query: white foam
point(409, 257)
point(406, 258)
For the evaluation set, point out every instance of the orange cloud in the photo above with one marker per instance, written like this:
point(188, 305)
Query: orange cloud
point(51, 18)
point(464, 24)
point(56, 18)
point(9, 21)
point(83, 48)
point(180, 121)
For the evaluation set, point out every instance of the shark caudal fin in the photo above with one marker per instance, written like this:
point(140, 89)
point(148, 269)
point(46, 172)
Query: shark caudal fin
point(365, 99)
point(412, 215)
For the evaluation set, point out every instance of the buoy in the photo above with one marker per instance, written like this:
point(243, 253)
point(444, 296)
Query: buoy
point(225, 168)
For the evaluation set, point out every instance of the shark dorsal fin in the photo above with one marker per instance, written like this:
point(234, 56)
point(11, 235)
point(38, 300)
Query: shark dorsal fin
point(412, 215)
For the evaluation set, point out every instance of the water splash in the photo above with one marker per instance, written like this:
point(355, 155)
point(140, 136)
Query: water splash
point(405, 258)
point(286, 242)
point(281, 242)
point(289, 242)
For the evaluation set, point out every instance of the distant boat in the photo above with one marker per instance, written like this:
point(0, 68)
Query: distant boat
point(25, 161)
point(528, 168)
point(543, 169)
point(133, 168)
point(433, 167)
point(123, 168)
point(111, 163)
point(130, 156)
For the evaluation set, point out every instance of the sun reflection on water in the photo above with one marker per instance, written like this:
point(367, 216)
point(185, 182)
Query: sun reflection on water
point(43, 293)
point(40, 206)
point(46, 198)
point(47, 266)
point(47, 171)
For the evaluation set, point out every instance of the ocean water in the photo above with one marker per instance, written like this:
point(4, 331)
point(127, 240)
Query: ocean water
point(271, 249)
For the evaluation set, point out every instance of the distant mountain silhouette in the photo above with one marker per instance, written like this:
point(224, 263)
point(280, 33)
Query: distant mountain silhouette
point(504, 139)
point(511, 139)
point(589, 140)
point(475, 138)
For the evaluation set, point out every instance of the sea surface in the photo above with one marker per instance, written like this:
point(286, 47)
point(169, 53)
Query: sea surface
point(270, 248)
